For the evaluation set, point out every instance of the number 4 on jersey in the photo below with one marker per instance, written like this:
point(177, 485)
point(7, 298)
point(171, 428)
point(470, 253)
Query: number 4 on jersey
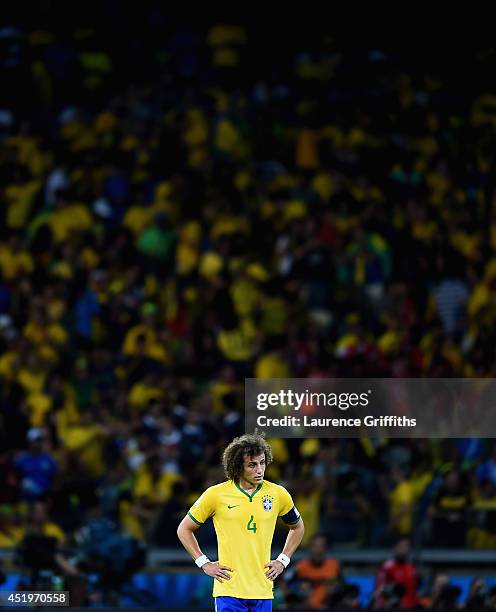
point(251, 525)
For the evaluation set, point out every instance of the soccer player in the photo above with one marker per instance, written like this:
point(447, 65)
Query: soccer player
point(244, 510)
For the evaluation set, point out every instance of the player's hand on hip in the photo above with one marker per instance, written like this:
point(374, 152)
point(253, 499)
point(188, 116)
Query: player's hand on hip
point(275, 568)
point(219, 572)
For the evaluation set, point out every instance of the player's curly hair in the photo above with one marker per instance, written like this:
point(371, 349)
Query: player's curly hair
point(248, 444)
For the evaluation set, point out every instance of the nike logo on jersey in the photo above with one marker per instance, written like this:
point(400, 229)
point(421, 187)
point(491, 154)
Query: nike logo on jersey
point(231, 507)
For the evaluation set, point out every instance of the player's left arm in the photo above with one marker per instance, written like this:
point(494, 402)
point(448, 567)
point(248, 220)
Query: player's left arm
point(295, 536)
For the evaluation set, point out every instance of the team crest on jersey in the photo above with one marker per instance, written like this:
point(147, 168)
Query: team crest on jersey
point(267, 501)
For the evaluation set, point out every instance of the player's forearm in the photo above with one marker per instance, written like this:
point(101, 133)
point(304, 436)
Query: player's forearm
point(189, 541)
point(295, 536)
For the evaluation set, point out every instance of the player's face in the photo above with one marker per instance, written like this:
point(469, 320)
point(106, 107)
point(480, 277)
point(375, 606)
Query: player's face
point(254, 469)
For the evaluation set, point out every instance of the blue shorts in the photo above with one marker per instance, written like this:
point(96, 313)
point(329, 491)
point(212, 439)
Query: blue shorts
point(224, 603)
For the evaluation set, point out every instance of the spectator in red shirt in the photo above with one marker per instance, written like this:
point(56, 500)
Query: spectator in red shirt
point(397, 579)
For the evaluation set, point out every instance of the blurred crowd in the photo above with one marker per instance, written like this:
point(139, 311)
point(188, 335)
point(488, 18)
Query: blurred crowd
point(319, 583)
point(183, 208)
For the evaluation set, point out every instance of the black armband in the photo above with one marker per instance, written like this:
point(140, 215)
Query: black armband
point(292, 517)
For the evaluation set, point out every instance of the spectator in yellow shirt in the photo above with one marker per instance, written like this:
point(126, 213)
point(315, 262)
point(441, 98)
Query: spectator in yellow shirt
point(68, 219)
point(87, 439)
point(153, 487)
point(40, 523)
point(11, 533)
point(15, 260)
point(401, 503)
point(144, 338)
point(483, 534)
point(272, 364)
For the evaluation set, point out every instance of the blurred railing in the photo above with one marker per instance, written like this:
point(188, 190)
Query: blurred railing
point(356, 557)
point(433, 556)
point(461, 558)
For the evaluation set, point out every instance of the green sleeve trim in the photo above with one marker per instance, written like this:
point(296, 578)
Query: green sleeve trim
point(193, 518)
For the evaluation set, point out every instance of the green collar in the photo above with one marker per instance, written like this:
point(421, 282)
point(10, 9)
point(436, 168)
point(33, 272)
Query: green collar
point(250, 497)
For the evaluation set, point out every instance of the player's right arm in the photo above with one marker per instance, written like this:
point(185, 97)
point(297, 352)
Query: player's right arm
point(185, 533)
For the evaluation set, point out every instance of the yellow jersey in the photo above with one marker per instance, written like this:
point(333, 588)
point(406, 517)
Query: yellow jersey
point(244, 524)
